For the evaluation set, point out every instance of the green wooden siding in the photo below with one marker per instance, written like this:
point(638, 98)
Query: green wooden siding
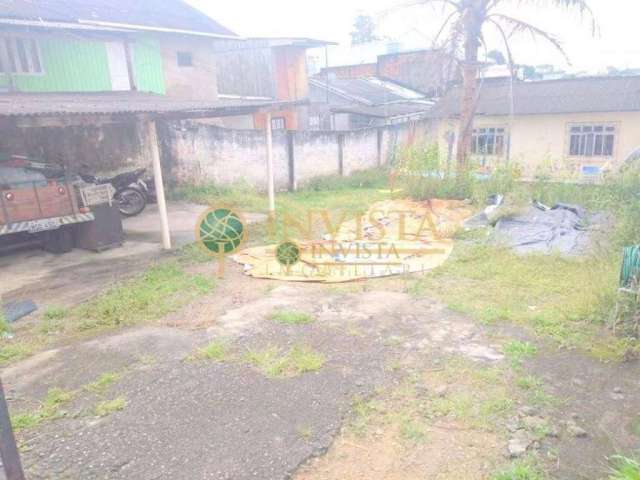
point(82, 66)
point(148, 66)
point(69, 66)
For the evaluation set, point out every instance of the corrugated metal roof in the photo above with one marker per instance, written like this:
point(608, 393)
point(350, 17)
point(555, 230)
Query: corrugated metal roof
point(165, 14)
point(114, 103)
point(367, 91)
point(385, 111)
point(588, 95)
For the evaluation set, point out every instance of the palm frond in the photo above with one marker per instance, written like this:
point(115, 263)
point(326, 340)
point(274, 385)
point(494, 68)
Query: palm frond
point(519, 26)
point(581, 6)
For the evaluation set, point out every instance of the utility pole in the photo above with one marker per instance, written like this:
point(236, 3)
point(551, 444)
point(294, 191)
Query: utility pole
point(8, 449)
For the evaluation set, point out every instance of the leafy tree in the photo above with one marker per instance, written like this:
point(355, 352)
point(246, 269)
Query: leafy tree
point(465, 23)
point(497, 56)
point(364, 30)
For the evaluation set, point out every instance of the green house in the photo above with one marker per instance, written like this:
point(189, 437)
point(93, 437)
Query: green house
point(165, 48)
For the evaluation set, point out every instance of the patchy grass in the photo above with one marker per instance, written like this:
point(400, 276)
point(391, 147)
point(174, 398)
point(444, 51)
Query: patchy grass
point(106, 408)
point(275, 364)
point(364, 411)
point(216, 351)
point(517, 351)
point(163, 289)
point(52, 320)
point(526, 469)
point(50, 409)
point(102, 384)
point(4, 325)
point(290, 317)
point(413, 430)
point(14, 350)
point(566, 300)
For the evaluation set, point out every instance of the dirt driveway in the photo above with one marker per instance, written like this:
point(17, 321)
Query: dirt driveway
point(373, 384)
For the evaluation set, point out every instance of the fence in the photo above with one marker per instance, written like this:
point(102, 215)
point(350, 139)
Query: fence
point(196, 153)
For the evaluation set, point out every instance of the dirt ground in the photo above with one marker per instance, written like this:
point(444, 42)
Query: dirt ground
point(408, 390)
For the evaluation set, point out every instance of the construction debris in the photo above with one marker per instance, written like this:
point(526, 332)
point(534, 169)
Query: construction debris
point(394, 237)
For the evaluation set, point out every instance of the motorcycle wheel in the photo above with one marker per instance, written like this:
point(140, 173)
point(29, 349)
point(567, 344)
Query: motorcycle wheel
point(131, 202)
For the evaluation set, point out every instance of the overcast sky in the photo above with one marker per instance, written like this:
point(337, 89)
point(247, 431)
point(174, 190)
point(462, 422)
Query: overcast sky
point(616, 44)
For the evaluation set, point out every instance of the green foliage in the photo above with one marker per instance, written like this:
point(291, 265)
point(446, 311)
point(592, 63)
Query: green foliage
point(4, 325)
point(103, 383)
point(521, 470)
point(424, 174)
point(624, 468)
point(371, 178)
point(108, 407)
point(518, 351)
point(162, 289)
point(50, 409)
point(216, 350)
point(289, 317)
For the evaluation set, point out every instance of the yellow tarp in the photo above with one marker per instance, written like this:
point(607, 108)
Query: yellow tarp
point(394, 237)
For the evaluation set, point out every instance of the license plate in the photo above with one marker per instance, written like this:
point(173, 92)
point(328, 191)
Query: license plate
point(44, 225)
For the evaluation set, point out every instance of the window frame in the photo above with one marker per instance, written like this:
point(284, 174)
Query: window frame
point(181, 55)
point(276, 120)
point(12, 60)
point(498, 148)
point(316, 125)
point(577, 137)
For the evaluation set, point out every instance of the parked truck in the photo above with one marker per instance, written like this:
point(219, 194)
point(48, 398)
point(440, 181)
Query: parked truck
point(38, 205)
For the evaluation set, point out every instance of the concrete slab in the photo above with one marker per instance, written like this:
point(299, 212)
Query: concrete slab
point(66, 279)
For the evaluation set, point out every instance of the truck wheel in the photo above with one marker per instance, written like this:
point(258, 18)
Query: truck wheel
point(59, 241)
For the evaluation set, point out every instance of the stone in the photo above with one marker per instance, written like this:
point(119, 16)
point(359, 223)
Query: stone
point(441, 391)
point(519, 444)
point(575, 430)
point(534, 423)
point(528, 411)
point(617, 390)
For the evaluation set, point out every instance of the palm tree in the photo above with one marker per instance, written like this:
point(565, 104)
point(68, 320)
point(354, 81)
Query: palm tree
point(465, 22)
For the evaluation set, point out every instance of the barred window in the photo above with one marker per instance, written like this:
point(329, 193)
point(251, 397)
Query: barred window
point(592, 140)
point(278, 123)
point(488, 141)
point(20, 55)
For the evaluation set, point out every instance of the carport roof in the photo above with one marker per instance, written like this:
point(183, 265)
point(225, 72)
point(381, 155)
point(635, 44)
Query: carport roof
point(122, 103)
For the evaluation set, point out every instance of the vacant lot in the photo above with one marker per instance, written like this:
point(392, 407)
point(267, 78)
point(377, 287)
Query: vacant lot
point(493, 366)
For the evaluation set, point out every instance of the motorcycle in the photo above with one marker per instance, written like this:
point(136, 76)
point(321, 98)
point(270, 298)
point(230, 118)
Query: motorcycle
point(133, 192)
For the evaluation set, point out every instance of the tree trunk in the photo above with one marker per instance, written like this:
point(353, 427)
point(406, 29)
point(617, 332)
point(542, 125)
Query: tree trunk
point(474, 18)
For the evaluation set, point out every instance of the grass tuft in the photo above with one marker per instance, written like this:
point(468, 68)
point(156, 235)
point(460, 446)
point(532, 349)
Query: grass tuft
point(216, 350)
point(521, 470)
point(103, 383)
point(624, 468)
point(290, 317)
point(275, 364)
point(108, 407)
point(518, 351)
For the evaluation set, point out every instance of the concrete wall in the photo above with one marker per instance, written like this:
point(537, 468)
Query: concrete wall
point(540, 143)
point(200, 154)
point(194, 153)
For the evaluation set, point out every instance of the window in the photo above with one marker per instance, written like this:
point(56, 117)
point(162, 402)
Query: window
point(278, 123)
point(314, 122)
point(592, 140)
point(185, 59)
point(20, 55)
point(488, 141)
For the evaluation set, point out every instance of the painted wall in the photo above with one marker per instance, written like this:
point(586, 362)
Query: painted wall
point(540, 143)
point(196, 82)
point(72, 64)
